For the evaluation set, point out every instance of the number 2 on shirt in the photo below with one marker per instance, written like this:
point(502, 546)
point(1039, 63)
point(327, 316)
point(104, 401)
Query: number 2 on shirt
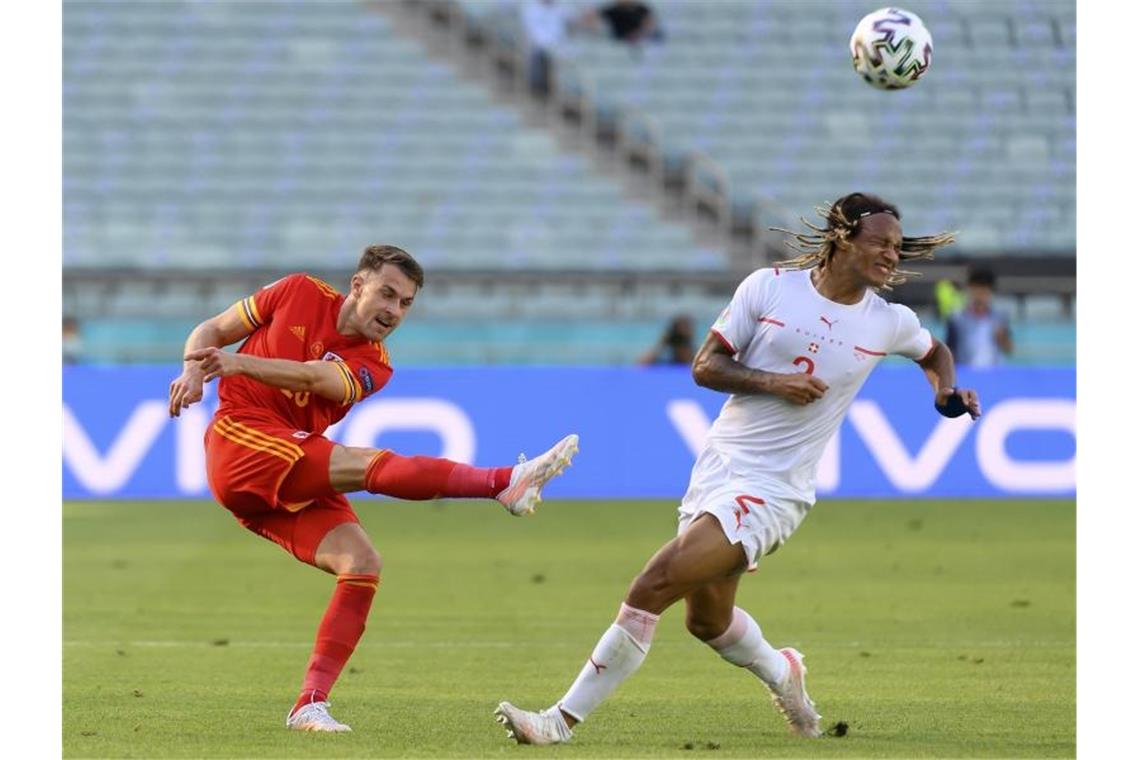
point(808, 364)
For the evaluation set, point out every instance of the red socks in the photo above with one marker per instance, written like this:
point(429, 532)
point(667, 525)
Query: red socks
point(420, 478)
point(340, 630)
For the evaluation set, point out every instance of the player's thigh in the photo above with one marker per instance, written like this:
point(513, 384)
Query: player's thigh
point(709, 609)
point(348, 467)
point(301, 531)
point(699, 556)
point(309, 479)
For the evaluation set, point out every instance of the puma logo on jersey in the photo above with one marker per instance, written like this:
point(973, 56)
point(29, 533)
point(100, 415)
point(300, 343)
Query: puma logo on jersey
point(829, 322)
point(299, 331)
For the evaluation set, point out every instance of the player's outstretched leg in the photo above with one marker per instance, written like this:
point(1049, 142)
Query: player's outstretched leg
point(529, 478)
point(417, 478)
point(696, 558)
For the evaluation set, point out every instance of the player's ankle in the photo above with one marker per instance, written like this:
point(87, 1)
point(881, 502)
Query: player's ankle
point(571, 721)
point(308, 696)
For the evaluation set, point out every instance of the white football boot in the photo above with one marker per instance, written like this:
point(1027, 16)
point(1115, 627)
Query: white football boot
point(314, 717)
point(792, 699)
point(529, 478)
point(546, 727)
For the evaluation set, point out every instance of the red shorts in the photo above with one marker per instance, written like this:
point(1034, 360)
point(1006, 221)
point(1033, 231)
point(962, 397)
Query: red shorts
point(275, 482)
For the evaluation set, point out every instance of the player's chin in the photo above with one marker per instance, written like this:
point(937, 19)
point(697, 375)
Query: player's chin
point(380, 333)
point(881, 277)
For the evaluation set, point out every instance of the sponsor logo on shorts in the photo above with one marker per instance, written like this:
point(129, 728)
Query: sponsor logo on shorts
point(365, 379)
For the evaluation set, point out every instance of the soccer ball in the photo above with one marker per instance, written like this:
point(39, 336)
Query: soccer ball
point(891, 48)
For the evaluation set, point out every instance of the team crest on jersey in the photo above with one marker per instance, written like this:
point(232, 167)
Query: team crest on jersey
point(331, 357)
point(365, 379)
point(316, 349)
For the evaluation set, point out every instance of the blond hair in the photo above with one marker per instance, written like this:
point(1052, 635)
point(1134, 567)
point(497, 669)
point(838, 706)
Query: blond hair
point(816, 247)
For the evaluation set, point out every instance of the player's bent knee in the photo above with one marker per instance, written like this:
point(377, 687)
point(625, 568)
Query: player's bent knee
point(706, 628)
point(367, 562)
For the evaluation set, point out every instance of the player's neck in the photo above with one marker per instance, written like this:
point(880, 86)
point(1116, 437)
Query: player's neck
point(834, 286)
point(344, 323)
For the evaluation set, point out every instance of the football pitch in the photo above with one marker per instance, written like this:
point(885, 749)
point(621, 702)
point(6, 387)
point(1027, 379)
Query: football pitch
point(932, 629)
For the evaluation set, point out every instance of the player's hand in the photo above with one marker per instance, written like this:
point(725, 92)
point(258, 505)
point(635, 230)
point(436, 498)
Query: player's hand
point(954, 402)
point(214, 362)
point(186, 389)
point(800, 388)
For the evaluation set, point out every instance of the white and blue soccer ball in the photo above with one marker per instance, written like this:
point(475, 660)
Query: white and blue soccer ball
point(891, 48)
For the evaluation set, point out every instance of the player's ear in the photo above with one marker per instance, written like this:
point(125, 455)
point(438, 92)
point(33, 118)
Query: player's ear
point(356, 284)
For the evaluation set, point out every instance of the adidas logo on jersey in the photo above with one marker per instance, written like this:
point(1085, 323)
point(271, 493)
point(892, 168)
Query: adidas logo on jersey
point(299, 331)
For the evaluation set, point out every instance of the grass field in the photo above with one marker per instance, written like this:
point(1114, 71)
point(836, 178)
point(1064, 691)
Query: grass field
point(934, 629)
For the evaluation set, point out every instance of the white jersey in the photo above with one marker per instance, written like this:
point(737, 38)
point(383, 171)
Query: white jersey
point(778, 322)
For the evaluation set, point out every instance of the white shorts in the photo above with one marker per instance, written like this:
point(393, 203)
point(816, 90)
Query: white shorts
point(749, 512)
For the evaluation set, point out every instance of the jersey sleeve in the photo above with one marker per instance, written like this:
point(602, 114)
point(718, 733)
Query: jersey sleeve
point(365, 370)
point(257, 310)
point(736, 325)
point(912, 340)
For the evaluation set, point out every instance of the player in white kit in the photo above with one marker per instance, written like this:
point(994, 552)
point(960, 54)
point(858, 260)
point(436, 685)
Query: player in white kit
point(793, 347)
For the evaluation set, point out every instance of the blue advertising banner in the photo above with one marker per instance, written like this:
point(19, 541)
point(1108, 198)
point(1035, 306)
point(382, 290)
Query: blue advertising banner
point(640, 430)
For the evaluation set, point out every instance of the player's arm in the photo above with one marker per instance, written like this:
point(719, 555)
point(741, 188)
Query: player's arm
point(715, 368)
point(218, 331)
point(949, 400)
point(331, 380)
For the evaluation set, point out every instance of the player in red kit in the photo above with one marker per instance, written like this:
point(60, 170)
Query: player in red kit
point(309, 354)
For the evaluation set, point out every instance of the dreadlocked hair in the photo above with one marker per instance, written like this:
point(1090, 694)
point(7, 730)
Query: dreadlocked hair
point(815, 248)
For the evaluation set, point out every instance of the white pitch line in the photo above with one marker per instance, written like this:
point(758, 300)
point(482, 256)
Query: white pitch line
point(469, 644)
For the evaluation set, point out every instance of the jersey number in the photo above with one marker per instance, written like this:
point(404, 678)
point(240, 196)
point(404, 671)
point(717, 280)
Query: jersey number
point(300, 398)
point(808, 364)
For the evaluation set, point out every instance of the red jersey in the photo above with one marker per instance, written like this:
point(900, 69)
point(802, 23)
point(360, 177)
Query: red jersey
point(295, 318)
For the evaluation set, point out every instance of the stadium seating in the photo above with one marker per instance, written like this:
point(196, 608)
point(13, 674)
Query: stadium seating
point(240, 136)
point(984, 145)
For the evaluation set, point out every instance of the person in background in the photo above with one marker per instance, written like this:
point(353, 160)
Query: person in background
point(546, 23)
point(72, 341)
point(675, 345)
point(948, 298)
point(629, 21)
point(978, 334)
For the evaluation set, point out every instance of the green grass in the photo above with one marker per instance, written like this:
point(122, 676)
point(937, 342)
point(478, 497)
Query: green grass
point(934, 629)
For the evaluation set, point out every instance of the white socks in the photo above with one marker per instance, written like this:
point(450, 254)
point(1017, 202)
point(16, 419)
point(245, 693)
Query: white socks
point(743, 645)
point(617, 655)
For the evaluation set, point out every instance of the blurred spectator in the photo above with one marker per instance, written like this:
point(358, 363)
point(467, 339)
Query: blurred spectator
point(977, 334)
point(948, 298)
point(629, 21)
point(546, 23)
point(675, 346)
point(72, 341)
